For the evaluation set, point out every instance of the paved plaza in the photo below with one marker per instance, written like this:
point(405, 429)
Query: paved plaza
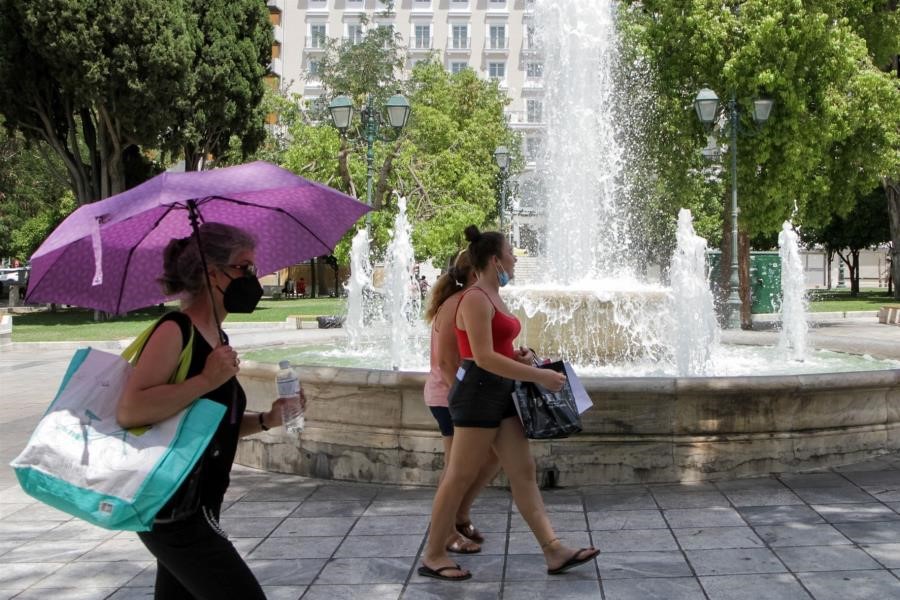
point(826, 535)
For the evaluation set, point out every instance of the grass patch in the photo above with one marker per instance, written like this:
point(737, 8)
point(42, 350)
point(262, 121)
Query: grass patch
point(76, 324)
point(840, 300)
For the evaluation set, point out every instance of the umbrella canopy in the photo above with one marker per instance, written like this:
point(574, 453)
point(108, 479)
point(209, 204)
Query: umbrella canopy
point(108, 255)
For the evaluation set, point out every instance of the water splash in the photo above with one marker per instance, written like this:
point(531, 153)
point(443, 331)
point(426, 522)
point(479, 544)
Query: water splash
point(794, 327)
point(694, 328)
point(359, 290)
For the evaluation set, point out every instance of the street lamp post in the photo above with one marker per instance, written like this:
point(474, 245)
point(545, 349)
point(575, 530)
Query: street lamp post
point(397, 108)
point(707, 106)
point(501, 157)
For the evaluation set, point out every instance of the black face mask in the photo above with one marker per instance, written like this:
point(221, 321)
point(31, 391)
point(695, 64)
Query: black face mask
point(242, 294)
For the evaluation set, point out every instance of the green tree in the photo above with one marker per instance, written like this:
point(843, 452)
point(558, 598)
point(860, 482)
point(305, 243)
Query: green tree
point(225, 79)
point(93, 79)
point(866, 226)
point(834, 130)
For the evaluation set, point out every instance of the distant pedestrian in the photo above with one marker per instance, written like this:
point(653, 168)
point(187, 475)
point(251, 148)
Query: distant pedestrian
point(301, 288)
point(423, 287)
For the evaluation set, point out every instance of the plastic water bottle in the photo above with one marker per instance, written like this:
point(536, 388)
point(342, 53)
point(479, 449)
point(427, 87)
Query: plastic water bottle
point(289, 387)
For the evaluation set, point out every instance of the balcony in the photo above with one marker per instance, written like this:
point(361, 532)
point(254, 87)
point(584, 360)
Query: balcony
point(314, 44)
point(278, 32)
point(317, 6)
point(276, 67)
point(457, 45)
point(496, 45)
point(533, 84)
point(520, 119)
point(529, 47)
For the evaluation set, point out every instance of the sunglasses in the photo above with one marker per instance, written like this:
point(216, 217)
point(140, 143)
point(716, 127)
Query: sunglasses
point(244, 269)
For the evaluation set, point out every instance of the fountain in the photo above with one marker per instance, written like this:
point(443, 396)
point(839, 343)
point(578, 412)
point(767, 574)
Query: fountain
point(671, 403)
point(794, 327)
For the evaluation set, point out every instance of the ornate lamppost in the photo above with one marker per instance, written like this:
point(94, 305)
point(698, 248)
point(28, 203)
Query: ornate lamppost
point(707, 106)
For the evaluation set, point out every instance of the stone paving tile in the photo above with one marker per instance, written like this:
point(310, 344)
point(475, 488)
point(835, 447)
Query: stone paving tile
point(51, 552)
point(682, 488)
point(458, 590)
point(371, 570)
point(313, 526)
point(294, 547)
point(491, 522)
point(6, 594)
point(632, 501)
point(851, 585)
point(813, 480)
point(834, 495)
point(681, 588)
point(883, 493)
point(19, 576)
point(145, 578)
point(389, 525)
point(825, 558)
point(7, 545)
point(276, 493)
point(642, 565)
point(690, 500)
point(14, 495)
point(72, 593)
point(886, 554)
point(557, 503)
point(752, 484)
point(531, 567)
point(92, 575)
point(496, 542)
point(739, 561)
point(483, 568)
point(245, 508)
point(378, 591)
point(717, 537)
point(381, 508)
point(327, 508)
point(10, 508)
point(283, 592)
point(38, 512)
point(491, 504)
point(561, 521)
point(118, 549)
point(340, 492)
point(850, 513)
point(791, 534)
point(386, 546)
point(871, 533)
point(681, 518)
point(287, 572)
point(778, 515)
point(77, 530)
point(626, 519)
point(541, 590)
point(880, 477)
point(781, 586)
point(249, 526)
point(634, 540)
point(763, 497)
point(425, 494)
point(25, 530)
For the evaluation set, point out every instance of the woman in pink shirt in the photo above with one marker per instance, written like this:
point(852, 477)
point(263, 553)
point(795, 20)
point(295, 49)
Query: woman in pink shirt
point(444, 362)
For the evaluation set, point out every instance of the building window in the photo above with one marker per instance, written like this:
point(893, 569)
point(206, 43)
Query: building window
point(534, 70)
point(420, 4)
point(534, 110)
point(460, 36)
point(496, 3)
point(530, 36)
point(423, 36)
point(318, 4)
point(312, 69)
point(497, 37)
point(318, 33)
point(457, 4)
point(458, 66)
point(497, 70)
point(355, 3)
point(355, 34)
point(533, 146)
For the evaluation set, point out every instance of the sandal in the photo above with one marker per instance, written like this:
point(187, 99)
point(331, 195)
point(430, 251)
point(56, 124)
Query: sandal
point(425, 571)
point(462, 545)
point(468, 530)
point(574, 561)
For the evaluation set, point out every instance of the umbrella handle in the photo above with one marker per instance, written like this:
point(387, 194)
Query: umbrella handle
point(195, 226)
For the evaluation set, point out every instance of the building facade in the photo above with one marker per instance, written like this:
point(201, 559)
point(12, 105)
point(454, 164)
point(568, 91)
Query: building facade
point(495, 38)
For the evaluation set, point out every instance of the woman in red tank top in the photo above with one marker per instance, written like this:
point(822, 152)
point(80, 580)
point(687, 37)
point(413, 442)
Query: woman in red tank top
point(485, 331)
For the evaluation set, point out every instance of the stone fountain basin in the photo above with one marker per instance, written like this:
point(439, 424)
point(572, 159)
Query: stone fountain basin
point(373, 426)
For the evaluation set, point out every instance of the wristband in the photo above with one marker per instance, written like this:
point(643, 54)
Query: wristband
point(261, 423)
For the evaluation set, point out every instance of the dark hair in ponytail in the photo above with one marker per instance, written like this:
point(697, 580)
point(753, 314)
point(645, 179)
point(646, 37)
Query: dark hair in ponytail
point(482, 246)
point(455, 279)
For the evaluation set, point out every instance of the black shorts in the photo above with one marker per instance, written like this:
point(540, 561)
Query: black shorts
point(441, 414)
point(481, 398)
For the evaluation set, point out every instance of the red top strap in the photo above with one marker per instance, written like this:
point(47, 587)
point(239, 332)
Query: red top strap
point(504, 329)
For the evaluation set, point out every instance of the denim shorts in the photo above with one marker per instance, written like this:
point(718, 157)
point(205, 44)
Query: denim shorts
point(480, 398)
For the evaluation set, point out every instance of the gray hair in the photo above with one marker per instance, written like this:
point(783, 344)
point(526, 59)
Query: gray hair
point(182, 267)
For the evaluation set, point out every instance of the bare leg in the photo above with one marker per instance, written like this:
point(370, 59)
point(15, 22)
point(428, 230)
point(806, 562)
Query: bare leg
point(488, 471)
point(518, 464)
point(470, 446)
point(455, 539)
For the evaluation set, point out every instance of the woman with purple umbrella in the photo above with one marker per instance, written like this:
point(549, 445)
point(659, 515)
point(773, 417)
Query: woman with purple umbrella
point(194, 557)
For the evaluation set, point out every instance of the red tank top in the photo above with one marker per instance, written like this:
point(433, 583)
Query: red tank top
point(504, 329)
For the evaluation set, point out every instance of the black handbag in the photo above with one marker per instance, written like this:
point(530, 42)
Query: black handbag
point(545, 414)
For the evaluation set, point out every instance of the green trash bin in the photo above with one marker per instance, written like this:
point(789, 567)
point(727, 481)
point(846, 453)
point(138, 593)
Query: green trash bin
point(765, 279)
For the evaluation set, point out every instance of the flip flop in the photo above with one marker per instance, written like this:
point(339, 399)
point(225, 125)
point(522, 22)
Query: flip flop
point(461, 545)
point(436, 573)
point(468, 530)
point(574, 561)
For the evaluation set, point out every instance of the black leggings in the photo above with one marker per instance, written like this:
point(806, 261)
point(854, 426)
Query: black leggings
point(195, 561)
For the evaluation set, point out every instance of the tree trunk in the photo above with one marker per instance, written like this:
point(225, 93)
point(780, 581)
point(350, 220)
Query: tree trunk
point(892, 189)
point(744, 279)
point(854, 273)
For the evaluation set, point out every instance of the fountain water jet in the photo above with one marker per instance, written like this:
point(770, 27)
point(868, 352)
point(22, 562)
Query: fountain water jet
point(794, 327)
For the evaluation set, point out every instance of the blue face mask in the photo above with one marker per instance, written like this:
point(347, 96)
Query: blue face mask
point(502, 277)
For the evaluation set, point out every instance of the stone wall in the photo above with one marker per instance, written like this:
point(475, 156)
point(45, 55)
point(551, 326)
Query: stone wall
point(366, 425)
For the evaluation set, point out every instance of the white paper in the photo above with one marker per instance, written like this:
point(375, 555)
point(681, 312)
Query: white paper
point(582, 400)
point(460, 373)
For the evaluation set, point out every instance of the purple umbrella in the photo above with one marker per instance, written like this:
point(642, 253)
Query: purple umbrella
point(108, 255)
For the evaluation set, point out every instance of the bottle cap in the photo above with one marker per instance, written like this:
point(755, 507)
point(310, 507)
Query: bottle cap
point(284, 364)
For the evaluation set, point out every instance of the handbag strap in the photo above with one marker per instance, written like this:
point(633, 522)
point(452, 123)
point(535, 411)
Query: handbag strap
point(133, 352)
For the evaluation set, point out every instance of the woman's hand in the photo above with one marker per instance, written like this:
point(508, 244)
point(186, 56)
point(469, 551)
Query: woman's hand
point(552, 380)
point(525, 356)
point(221, 365)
